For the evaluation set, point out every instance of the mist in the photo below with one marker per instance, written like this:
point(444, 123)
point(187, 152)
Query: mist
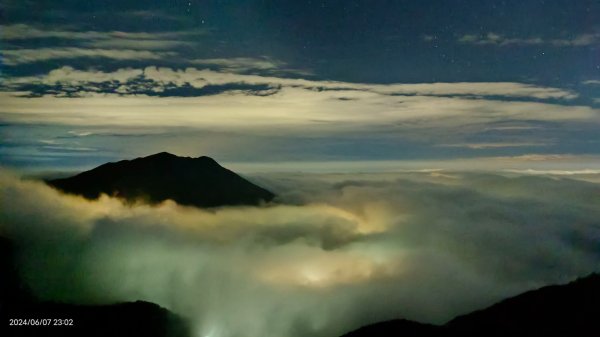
point(333, 253)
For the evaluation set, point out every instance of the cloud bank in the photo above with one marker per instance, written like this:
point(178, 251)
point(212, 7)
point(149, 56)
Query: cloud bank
point(211, 98)
point(337, 252)
point(219, 110)
point(198, 78)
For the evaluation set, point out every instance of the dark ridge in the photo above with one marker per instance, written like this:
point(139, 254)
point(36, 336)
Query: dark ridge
point(12, 290)
point(162, 155)
point(558, 310)
point(122, 319)
point(200, 182)
point(397, 327)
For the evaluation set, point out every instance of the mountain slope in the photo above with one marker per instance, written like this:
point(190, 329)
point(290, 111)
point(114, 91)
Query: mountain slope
point(397, 327)
point(560, 310)
point(65, 320)
point(198, 182)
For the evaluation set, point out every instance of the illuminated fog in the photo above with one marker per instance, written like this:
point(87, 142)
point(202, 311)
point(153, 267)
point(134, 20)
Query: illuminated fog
point(336, 251)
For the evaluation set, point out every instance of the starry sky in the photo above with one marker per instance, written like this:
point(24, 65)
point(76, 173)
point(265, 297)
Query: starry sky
point(513, 82)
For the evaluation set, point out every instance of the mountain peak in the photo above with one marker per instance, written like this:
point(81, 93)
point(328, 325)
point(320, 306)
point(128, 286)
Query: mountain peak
point(169, 156)
point(197, 181)
point(206, 159)
point(162, 155)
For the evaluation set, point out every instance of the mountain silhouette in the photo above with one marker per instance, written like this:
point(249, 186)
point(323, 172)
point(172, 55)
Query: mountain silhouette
point(397, 327)
point(198, 182)
point(559, 310)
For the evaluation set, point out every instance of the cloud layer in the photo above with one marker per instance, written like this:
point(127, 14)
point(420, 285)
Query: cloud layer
point(219, 110)
point(338, 252)
point(198, 78)
point(222, 99)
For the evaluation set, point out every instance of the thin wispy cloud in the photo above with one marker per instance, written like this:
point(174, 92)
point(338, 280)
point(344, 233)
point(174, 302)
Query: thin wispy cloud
point(13, 57)
point(131, 43)
point(26, 32)
point(582, 40)
point(241, 63)
point(483, 146)
point(22, 47)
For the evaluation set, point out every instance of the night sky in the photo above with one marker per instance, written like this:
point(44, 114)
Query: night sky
point(298, 81)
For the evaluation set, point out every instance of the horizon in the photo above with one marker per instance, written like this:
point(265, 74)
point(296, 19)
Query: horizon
point(565, 165)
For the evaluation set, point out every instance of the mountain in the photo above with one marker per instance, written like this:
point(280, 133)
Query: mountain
point(198, 182)
point(397, 327)
point(122, 319)
point(559, 310)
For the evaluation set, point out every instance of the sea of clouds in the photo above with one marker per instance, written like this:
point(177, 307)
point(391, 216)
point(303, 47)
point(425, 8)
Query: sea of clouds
point(333, 253)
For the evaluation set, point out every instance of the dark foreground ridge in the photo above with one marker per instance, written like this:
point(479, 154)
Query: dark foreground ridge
point(563, 310)
point(200, 182)
point(65, 320)
point(22, 314)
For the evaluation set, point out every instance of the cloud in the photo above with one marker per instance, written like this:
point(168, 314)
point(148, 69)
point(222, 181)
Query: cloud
point(518, 163)
point(25, 32)
point(60, 148)
point(337, 120)
point(80, 133)
point(122, 45)
point(501, 40)
point(557, 172)
point(130, 43)
point(199, 78)
point(13, 57)
point(237, 64)
point(249, 117)
point(288, 107)
point(340, 251)
point(69, 75)
point(73, 44)
point(481, 146)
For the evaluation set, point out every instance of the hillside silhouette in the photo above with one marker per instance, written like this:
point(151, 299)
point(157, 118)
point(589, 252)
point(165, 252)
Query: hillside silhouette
point(200, 182)
point(559, 310)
